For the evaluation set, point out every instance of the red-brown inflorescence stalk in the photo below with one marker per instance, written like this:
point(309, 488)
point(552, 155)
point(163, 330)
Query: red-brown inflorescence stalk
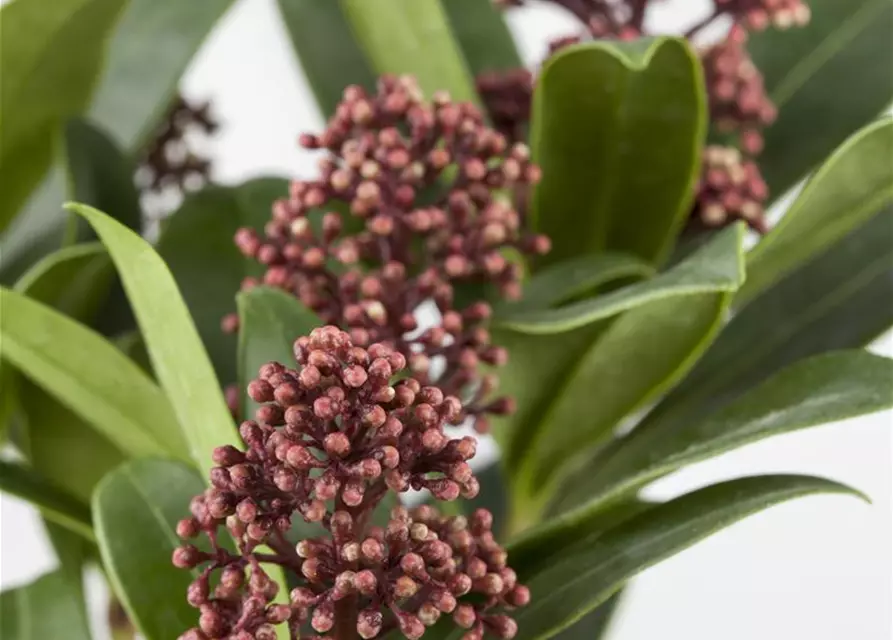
point(738, 102)
point(333, 436)
point(424, 181)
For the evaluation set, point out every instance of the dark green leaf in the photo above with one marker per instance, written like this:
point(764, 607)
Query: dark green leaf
point(178, 358)
point(850, 188)
point(411, 37)
point(716, 267)
point(89, 375)
point(270, 320)
point(596, 624)
point(52, 51)
point(575, 584)
point(815, 391)
point(483, 35)
point(827, 79)
point(326, 50)
point(148, 53)
point(561, 282)
point(620, 158)
point(53, 501)
point(199, 240)
point(136, 509)
point(830, 303)
point(47, 608)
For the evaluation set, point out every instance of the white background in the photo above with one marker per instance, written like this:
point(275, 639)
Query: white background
point(817, 569)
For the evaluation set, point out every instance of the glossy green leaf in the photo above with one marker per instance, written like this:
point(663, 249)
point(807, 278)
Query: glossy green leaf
point(578, 582)
point(270, 320)
point(827, 79)
point(54, 502)
point(178, 358)
point(46, 608)
point(561, 282)
point(483, 35)
point(816, 391)
point(716, 267)
point(830, 303)
point(88, 375)
point(327, 52)
point(135, 510)
point(52, 52)
point(851, 187)
point(411, 37)
point(621, 157)
point(100, 174)
point(198, 240)
point(595, 625)
point(151, 47)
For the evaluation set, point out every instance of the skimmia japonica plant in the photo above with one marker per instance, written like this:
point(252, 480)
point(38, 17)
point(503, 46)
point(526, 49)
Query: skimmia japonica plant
point(259, 417)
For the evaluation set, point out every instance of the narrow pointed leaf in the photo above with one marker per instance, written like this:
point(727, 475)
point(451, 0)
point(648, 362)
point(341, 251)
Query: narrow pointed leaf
point(198, 240)
point(151, 47)
point(816, 391)
point(716, 267)
point(561, 282)
point(46, 608)
point(326, 50)
point(88, 375)
point(483, 35)
point(52, 52)
point(135, 510)
point(270, 320)
point(850, 188)
point(619, 159)
point(828, 79)
point(829, 303)
point(411, 37)
point(54, 502)
point(574, 585)
point(178, 358)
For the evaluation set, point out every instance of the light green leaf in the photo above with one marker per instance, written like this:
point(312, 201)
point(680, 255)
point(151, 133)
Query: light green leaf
point(88, 375)
point(270, 320)
point(578, 582)
point(827, 80)
point(716, 267)
point(151, 47)
point(47, 608)
point(199, 240)
point(136, 509)
point(54, 502)
point(561, 282)
point(816, 391)
point(851, 187)
point(178, 358)
point(52, 51)
point(411, 37)
point(830, 303)
point(327, 52)
point(620, 158)
point(483, 35)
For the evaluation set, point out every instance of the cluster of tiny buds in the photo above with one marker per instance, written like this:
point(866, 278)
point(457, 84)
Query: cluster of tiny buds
point(730, 189)
point(757, 15)
point(335, 430)
point(738, 100)
point(408, 575)
point(383, 152)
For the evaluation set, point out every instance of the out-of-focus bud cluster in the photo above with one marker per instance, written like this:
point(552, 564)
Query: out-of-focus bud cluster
point(425, 180)
point(332, 436)
point(738, 101)
point(730, 188)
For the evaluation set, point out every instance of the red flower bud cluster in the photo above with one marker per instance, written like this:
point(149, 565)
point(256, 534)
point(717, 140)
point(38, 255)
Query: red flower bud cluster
point(331, 437)
point(731, 188)
point(408, 575)
point(757, 15)
point(389, 154)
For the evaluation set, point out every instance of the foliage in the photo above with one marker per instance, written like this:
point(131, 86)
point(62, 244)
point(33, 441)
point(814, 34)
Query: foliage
point(646, 340)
